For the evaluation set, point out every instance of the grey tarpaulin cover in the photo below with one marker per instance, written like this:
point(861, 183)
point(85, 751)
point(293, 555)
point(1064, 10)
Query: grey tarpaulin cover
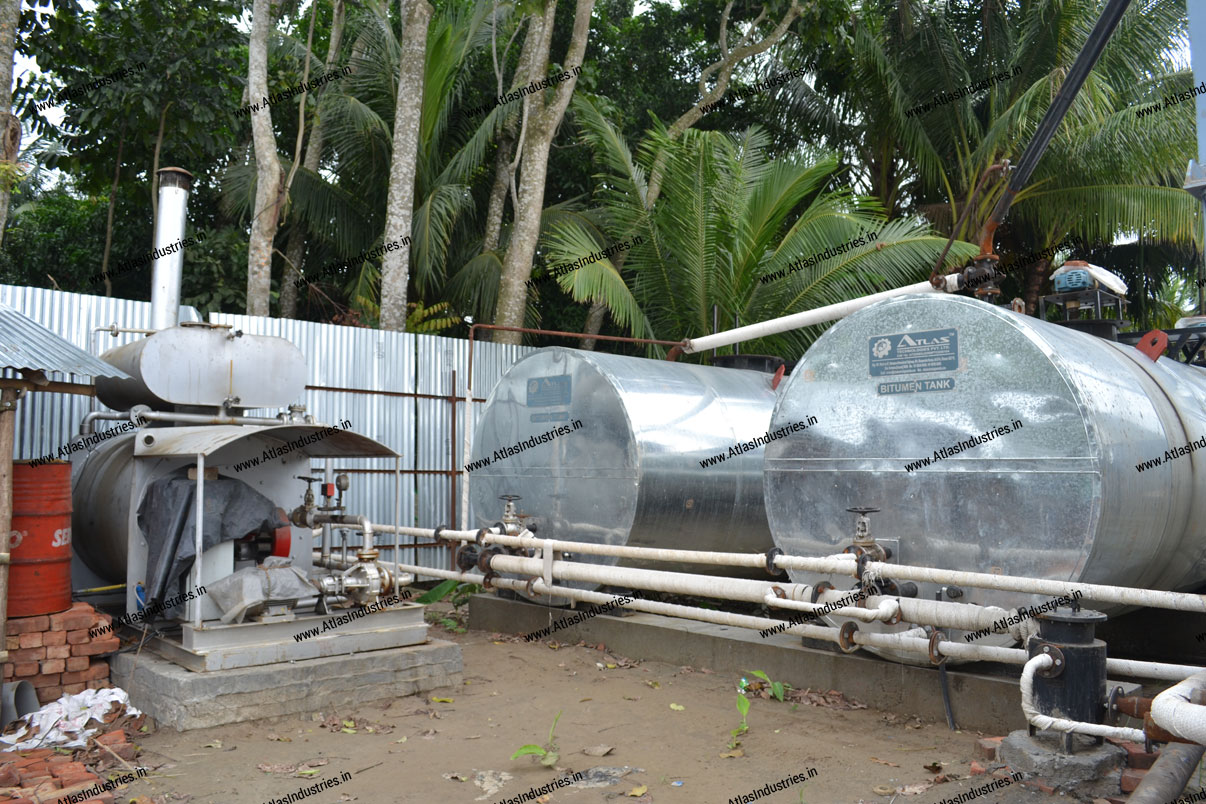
point(243, 591)
point(232, 510)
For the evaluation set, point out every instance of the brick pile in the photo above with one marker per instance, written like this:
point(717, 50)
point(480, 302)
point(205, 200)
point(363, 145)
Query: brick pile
point(43, 776)
point(1138, 761)
point(55, 653)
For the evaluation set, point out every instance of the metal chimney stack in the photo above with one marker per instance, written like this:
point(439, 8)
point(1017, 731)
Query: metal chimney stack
point(166, 271)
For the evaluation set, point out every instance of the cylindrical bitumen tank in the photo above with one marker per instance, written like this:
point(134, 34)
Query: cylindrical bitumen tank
point(102, 485)
point(1053, 484)
point(630, 473)
point(40, 578)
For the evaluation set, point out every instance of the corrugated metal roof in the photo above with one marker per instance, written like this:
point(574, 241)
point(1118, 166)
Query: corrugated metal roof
point(25, 344)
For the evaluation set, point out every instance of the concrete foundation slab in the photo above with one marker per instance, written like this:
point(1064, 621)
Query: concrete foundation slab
point(178, 697)
point(982, 701)
point(1089, 773)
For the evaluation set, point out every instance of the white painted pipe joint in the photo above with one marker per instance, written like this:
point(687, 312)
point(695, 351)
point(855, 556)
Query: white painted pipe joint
point(1174, 711)
point(1041, 721)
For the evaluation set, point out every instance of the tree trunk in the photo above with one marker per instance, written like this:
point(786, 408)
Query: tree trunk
point(10, 127)
point(399, 206)
point(121, 143)
point(594, 324)
point(541, 125)
point(296, 250)
point(267, 166)
point(498, 193)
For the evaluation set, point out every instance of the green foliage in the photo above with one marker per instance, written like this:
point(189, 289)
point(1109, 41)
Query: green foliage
point(548, 753)
point(743, 708)
point(460, 592)
point(777, 688)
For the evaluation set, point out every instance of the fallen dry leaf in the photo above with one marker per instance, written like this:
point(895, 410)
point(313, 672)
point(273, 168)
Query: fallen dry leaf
point(280, 739)
point(883, 790)
point(916, 788)
point(597, 750)
point(639, 790)
point(734, 754)
point(428, 734)
point(933, 767)
point(885, 762)
point(276, 767)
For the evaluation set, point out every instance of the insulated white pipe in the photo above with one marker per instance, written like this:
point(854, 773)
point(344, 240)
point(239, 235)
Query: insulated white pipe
point(885, 610)
point(969, 651)
point(819, 315)
point(1181, 601)
point(1174, 711)
point(1041, 721)
point(844, 564)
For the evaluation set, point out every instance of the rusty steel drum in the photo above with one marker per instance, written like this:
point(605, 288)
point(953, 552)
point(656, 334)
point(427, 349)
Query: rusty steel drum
point(39, 579)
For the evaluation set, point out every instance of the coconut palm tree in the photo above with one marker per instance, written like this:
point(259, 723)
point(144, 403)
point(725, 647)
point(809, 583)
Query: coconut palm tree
point(727, 222)
point(1108, 172)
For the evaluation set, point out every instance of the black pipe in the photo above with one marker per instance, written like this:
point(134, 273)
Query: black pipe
point(1085, 61)
point(1168, 777)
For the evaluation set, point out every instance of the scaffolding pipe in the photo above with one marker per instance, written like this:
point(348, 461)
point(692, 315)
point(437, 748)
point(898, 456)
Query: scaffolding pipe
point(1041, 721)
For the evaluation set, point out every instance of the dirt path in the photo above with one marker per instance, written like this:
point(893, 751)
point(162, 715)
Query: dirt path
point(417, 748)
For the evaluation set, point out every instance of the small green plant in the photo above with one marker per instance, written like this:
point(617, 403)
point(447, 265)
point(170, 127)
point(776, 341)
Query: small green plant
point(777, 688)
point(548, 752)
point(743, 707)
point(459, 593)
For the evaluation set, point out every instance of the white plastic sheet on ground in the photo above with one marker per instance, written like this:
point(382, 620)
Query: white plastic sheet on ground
point(64, 723)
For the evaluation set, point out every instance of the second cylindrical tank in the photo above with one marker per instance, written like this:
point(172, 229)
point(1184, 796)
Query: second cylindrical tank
point(993, 442)
point(649, 453)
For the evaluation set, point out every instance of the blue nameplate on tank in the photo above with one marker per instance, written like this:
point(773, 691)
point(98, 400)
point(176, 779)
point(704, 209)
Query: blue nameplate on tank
point(917, 386)
point(914, 352)
point(547, 392)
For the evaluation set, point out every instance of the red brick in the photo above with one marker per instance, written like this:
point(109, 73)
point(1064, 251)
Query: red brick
point(99, 684)
point(78, 637)
point(1136, 757)
point(112, 738)
point(58, 652)
point(32, 755)
point(99, 669)
point(48, 694)
point(54, 638)
point(977, 769)
point(107, 645)
point(27, 625)
point(71, 620)
point(73, 779)
point(33, 767)
point(26, 669)
point(57, 759)
point(54, 666)
point(986, 748)
point(33, 781)
point(27, 655)
point(12, 642)
point(74, 689)
point(68, 768)
point(126, 751)
point(45, 680)
point(19, 801)
point(76, 663)
point(1131, 777)
point(33, 640)
point(9, 776)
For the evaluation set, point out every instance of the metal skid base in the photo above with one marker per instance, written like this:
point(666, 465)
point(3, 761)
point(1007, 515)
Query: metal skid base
point(215, 646)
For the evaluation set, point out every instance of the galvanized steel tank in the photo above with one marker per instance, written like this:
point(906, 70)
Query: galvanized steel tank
point(1058, 497)
point(631, 473)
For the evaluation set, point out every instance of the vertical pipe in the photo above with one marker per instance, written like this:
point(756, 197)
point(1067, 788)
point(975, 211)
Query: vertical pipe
point(452, 460)
point(8, 416)
point(398, 507)
point(199, 502)
point(466, 451)
point(166, 271)
point(328, 476)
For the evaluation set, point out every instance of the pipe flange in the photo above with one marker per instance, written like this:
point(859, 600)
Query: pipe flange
point(853, 549)
point(895, 618)
point(1057, 656)
point(435, 534)
point(861, 564)
point(484, 558)
point(502, 528)
point(821, 586)
point(465, 557)
point(770, 561)
point(778, 592)
point(1112, 705)
point(529, 587)
point(846, 636)
point(488, 578)
point(481, 533)
point(935, 648)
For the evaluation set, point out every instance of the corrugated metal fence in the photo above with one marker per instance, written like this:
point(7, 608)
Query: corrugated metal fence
point(395, 387)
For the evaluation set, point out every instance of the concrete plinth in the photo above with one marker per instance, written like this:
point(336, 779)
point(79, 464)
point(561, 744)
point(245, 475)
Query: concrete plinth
point(186, 700)
point(1089, 773)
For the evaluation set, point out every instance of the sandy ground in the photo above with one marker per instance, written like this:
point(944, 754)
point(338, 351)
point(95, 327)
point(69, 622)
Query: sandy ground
point(667, 728)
